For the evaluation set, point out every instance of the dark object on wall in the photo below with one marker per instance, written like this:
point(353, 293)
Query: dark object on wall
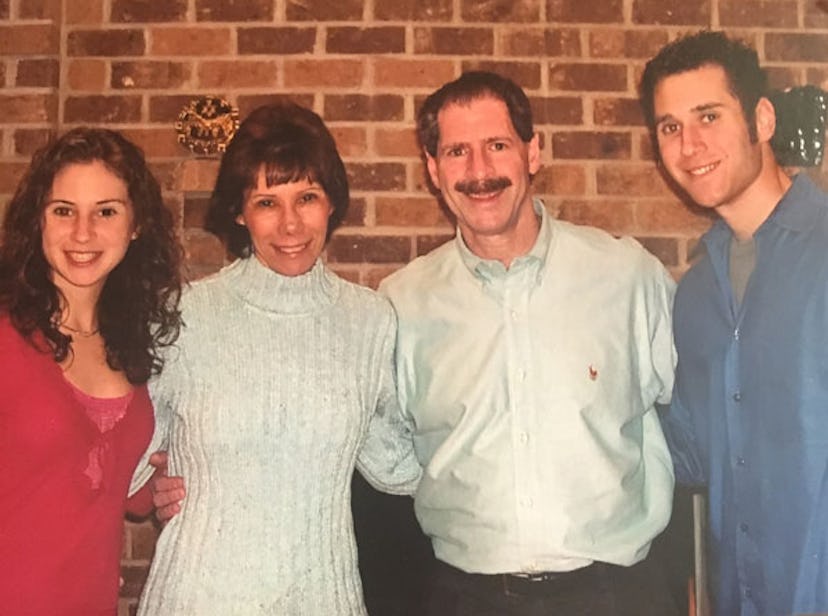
point(799, 140)
point(207, 124)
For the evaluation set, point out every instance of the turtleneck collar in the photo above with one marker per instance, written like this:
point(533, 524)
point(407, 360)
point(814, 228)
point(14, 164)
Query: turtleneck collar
point(270, 291)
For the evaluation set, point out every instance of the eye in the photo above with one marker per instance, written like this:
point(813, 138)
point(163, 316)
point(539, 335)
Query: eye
point(264, 202)
point(709, 117)
point(498, 146)
point(309, 197)
point(455, 151)
point(107, 212)
point(668, 128)
point(61, 210)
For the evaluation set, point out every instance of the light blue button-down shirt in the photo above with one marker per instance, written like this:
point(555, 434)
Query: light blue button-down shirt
point(750, 414)
point(532, 390)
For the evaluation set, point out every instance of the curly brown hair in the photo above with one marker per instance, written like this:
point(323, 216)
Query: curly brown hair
point(138, 308)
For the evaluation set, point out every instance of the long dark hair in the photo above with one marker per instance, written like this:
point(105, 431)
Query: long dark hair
point(138, 307)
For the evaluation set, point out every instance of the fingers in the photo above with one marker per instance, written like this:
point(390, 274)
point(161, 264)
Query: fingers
point(159, 461)
point(164, 514)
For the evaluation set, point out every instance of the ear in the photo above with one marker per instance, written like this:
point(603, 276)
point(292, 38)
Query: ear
point(534, 154)
point(240, 220)
point(765, 120)
point(431, 165)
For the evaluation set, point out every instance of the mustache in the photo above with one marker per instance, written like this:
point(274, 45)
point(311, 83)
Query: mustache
point(479, 187)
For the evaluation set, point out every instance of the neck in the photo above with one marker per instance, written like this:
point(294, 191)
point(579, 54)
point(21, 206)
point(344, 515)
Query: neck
point(79, 312)
point(506, 247)
point(745, 214)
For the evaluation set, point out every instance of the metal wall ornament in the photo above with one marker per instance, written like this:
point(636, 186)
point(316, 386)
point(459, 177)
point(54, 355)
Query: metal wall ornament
point(799, 140)
point(206, 125)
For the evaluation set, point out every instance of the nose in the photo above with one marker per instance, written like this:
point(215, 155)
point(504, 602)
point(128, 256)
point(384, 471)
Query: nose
point(479, 163)
point(291, 220)
point(83, 229)
point(691, 140)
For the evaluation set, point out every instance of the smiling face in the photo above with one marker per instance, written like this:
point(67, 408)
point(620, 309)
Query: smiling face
point(288, 224)
point(88, 223)
point(483, 168)
point(704, 140)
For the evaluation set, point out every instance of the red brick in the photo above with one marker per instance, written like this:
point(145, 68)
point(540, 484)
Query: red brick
point(500, 11)
point(191, 41)
point(816, 14)
point(370, 248)
point(426, 243)
point(2, 75)
point(39, 9)
point(10, 174)
point(396, 142)
point(617, 217)
point(672, 12)
point(538, 42)
point(237, 74)
point(376, 176)
point(557, 110)
point(373, 276)
point(411, 212)
point(324, 10)
point(781, 77)
point(27, 141)
point(204, 251)
point(87, 75)
point(349, 39)
point(142, 540)
point(4, 9)
point(84, 12)
point(148, 10)
point(134, 577)
point(413, 10)
point(167, 108)
point(156, 142)
point(656, 216)
point(758, 13)
point(249, 103)
point(351, 141)
point(355, 216)
point(581, 11)
point(616, 43)
point(453, 41)
point(665, 249)
point(364, 108)
point(100, 109)
point(560, 179)
point(195, 175)
point(624, 180)
point(161, 75)
point(816, 76)
point(412, 73)
point(38, 73)
point(29, 39)
point(106, 43)
point(797, 47)
point(195, 210)
point(276, 40)
point(321, 72)
point(526, 74)
point(588, 145)
point(617, 112)
point(27, 108)
point(588, 76)
point(234, 10)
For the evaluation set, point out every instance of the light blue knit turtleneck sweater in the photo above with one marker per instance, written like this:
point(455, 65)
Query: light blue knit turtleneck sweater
point(276, 388)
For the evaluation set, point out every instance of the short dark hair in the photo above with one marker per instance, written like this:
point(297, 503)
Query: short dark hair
point(291, 143)
point(747, 81)
point(138, 307)
point(470, 86)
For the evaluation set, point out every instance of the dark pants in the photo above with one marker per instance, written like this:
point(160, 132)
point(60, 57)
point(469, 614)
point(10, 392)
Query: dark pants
point(598, 590)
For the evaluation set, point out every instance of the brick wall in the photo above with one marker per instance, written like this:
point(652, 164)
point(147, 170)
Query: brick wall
point(365, 65)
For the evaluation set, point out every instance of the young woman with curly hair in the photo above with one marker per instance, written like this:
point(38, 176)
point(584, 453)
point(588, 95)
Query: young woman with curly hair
point(89, 289)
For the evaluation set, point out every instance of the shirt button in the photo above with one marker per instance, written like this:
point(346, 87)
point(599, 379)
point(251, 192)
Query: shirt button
point(737, 396)
point(740, 461)
point(514, 315)
point(743, 527)
point(748, 592)
point(736, 334)
point(524, 437)
point(527, 502)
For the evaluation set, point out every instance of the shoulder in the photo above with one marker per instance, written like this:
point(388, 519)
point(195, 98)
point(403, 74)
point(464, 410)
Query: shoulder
point(433, 269)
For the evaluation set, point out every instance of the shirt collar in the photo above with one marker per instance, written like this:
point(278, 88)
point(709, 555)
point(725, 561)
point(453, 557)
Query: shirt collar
point(795, 211)
point(488, 268)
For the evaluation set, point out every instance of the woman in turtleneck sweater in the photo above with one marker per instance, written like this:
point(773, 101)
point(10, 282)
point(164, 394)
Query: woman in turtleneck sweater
point(281, 383)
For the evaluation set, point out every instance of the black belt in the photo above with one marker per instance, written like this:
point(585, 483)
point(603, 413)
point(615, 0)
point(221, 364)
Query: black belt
point(534, 584)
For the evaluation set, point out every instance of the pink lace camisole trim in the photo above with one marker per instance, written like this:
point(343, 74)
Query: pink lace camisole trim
point(105, 413)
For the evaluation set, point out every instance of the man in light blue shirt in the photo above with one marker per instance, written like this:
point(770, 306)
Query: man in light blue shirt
point(749, 417)
point(531, 354)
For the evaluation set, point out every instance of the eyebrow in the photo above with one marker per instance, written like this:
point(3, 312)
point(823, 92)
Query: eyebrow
point(101, 202)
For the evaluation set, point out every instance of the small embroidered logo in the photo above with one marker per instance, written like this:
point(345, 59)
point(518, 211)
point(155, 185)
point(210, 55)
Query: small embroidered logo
point(593, 373)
